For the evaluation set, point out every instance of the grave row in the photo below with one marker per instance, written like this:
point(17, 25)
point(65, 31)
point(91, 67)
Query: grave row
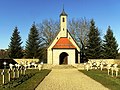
point(16, 70)
point(29, 66)
point(111, 68)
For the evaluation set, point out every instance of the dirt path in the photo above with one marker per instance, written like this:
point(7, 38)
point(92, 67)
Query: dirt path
point(69, 79)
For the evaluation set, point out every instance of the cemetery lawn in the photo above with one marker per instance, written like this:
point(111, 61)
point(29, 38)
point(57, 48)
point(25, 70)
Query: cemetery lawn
point(113, 83)
point(29, 81)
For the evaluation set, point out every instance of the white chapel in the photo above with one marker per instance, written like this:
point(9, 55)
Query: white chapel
point(63, 49)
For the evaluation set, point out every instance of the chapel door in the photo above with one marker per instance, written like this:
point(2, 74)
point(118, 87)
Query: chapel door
point(63, 58)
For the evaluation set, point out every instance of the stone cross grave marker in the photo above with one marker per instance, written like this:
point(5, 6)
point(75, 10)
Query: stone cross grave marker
point(101, 66)
point(35, 65)
point(87, 66)
point(3, 76)
point(13, 72)
point(112, 69)
point(108, 68)
point(24, 69)
point(39, 67)
point(9, 74)
point(11, 66)
point(29, 65)
point(17, 69)
point(21, 70)
point(116, 69)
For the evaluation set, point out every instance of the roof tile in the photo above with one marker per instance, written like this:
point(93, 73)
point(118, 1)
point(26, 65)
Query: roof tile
point(64, 43)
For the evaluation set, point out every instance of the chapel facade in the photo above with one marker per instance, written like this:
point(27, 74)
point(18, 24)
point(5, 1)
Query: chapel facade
point(63, 49)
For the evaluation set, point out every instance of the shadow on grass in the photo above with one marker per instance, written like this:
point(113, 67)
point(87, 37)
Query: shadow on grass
point(26, 82)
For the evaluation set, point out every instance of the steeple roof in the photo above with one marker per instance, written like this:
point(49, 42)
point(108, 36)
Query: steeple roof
point(63, 13)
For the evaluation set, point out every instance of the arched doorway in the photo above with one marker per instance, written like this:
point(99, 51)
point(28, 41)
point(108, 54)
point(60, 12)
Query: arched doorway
point(63, 58)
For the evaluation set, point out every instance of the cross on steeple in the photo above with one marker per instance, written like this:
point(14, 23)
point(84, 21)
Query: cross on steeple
point(63, 7)
point(63, 12)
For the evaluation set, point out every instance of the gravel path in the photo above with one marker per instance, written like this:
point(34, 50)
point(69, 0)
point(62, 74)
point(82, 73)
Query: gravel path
point(69, 79)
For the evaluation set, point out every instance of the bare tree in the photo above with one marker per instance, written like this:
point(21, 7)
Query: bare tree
point(48, 30)
point(79, 29)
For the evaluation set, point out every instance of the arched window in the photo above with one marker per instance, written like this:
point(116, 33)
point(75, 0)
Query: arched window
point(63, 19)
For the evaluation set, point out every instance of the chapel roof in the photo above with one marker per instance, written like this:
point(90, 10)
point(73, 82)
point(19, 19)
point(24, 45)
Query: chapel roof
point(64, 43)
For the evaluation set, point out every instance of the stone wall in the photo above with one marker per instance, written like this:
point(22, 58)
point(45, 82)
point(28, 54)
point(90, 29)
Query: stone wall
point(108, 61)
point(26, 60)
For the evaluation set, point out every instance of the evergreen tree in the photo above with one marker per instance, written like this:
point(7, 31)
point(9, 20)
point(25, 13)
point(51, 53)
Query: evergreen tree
point(94, 42)
point(110, 45)
point(33, 43)
point(15, 49)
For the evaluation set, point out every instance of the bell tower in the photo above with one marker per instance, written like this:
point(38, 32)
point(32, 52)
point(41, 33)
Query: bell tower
point(63, 49)
point(63, 24)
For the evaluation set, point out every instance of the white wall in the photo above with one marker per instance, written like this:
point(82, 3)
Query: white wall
point(70, 52)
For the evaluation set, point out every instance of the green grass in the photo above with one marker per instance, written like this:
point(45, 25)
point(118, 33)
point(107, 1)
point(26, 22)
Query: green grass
point(32, 83)
point(25, 82)
point(113, 83)
point(118, 66)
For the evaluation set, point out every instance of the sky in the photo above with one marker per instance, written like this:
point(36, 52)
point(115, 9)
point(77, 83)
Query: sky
point(22, 13)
